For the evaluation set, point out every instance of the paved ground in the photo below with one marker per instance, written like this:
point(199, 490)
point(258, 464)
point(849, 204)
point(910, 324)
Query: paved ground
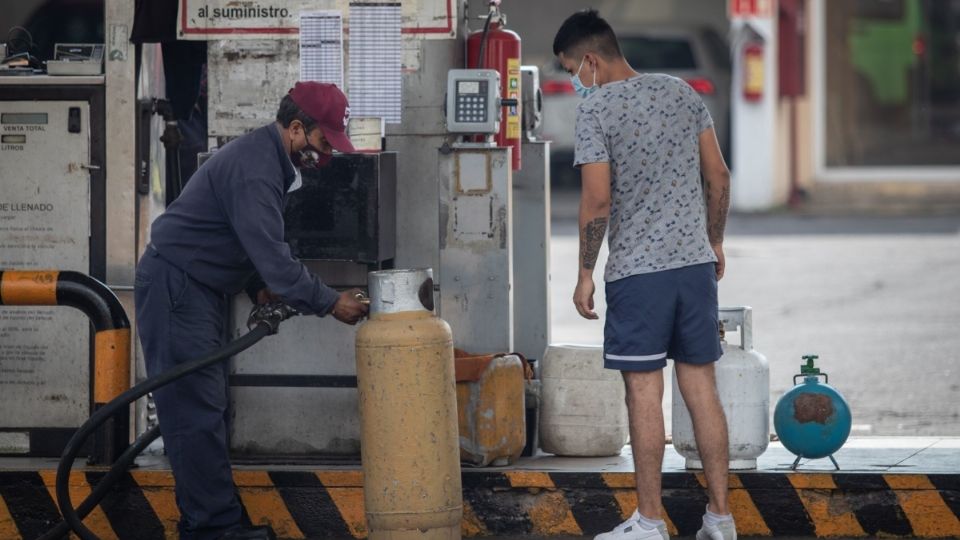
point(877, 298)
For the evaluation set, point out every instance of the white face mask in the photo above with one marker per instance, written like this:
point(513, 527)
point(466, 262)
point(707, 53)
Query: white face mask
point(297, 181)
point(578, 87)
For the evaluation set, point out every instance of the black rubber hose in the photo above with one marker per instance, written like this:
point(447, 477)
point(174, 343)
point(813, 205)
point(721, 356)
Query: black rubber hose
point(70, 514)
point(483, 41)
point(171, 139)
point(106, 483)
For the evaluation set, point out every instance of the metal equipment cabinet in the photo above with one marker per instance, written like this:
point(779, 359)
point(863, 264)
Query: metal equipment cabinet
point(52, 216)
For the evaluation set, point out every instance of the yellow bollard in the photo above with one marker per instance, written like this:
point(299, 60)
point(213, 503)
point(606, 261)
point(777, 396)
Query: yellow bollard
point(408, 412)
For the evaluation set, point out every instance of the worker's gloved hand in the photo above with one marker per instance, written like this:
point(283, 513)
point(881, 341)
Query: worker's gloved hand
point(350, 307)
point(272, 314)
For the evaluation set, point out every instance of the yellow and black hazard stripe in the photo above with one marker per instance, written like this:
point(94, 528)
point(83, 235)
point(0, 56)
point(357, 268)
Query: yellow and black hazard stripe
point(111, 339)
point(763, 504)
point(329, 504)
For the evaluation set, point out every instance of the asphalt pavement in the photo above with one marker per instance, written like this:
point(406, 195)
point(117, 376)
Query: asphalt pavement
point(877, 298)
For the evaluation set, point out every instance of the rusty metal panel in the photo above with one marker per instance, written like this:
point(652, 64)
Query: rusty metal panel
point(246, 81)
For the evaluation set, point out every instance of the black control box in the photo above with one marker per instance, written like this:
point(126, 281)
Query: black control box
point(345, 211)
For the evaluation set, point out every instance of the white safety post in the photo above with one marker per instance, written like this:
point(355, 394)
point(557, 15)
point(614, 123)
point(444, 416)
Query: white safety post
point(753, 129)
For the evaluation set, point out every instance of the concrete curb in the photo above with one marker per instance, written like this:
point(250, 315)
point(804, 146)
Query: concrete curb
point(329, 503)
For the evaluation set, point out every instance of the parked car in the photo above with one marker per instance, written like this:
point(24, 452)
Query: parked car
point(698, 55)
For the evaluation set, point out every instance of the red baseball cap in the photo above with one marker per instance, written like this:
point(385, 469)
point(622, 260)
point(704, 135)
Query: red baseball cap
point(326, 104)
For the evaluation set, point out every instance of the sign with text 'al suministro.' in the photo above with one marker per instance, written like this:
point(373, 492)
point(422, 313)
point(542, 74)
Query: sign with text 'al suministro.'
point(280, 19)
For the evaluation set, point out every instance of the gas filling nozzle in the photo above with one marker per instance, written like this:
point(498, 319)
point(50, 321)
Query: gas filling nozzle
point(273, 314)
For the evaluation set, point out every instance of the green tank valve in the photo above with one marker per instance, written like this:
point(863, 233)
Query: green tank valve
point(809, 368)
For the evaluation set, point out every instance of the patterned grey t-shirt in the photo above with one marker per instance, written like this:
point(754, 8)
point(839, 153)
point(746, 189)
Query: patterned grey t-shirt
point(648, 127)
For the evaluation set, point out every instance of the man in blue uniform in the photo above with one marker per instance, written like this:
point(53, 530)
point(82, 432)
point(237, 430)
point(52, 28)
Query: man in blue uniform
point(222, 235)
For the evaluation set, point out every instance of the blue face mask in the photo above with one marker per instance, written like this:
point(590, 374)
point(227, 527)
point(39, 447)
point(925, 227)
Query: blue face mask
point(578, 87)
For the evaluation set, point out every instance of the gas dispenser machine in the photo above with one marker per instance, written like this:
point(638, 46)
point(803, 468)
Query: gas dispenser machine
point(446, 192)
point(491, 209)
point(297, 394)
point(476, 212)
point(52, 215)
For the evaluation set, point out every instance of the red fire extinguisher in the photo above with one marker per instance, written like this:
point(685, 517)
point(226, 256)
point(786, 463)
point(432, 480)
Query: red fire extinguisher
point(753, 72)
point(497, 48)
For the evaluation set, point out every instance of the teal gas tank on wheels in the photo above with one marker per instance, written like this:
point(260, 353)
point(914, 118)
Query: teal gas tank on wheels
point(812, 419)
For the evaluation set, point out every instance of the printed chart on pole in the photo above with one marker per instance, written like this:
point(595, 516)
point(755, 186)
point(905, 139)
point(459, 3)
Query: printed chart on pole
point(375, 60)
point(321, 47)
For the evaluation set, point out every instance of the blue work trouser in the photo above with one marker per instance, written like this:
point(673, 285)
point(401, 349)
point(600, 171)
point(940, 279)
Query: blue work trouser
point(178, 320)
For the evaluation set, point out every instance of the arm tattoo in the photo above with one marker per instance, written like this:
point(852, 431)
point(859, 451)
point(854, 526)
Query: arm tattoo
point(591, 238)
point(719, 221)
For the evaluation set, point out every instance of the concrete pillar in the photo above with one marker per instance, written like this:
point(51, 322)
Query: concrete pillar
point(753, 130)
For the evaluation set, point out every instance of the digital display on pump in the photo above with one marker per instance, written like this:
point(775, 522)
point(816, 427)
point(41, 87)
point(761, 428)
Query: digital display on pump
point(24, 118)
point(468, 87)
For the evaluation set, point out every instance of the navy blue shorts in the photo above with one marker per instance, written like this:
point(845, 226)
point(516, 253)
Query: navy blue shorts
point(669, 314)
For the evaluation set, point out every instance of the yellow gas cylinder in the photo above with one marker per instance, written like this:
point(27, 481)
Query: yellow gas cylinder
point(408, 412)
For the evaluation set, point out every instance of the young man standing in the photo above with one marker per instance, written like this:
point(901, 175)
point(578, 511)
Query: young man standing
point(643, 141)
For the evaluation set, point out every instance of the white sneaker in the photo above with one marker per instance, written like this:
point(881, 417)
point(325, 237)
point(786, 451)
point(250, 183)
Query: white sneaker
point(631, 530)
point(726, 530)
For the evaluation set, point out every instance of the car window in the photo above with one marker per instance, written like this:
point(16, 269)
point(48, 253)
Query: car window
point(717, 48)
point(654, 53)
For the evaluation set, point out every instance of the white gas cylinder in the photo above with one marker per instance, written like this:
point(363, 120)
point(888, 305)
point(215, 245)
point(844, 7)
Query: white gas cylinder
point(743, 382)
point(582, 407)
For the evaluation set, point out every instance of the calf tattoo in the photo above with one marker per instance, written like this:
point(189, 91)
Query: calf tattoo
point(591, 238)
